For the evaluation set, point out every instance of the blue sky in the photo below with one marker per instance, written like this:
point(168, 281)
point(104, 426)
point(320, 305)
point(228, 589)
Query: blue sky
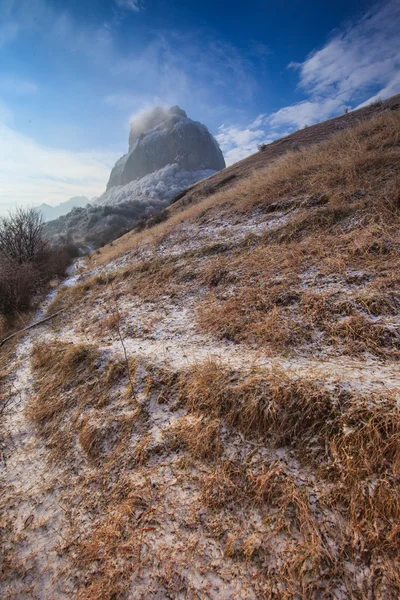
point(74, 72)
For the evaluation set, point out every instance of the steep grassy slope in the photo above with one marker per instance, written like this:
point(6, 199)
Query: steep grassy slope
point(218, 402)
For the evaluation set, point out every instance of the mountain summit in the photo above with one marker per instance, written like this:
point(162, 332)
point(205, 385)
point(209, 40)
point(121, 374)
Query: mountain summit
point(162, 137)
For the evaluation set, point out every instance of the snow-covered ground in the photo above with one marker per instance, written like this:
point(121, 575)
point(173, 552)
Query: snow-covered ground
point(180, 537)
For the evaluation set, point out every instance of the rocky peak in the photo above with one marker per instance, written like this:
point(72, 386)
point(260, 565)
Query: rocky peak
point(162, 137)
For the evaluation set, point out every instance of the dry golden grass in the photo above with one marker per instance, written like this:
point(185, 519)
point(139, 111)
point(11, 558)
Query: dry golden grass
point(70, 296)
point(359, 435)
point(225, 486)
point(120, 533)
point(91, 434)
point(201, 436)
point(60, 414)
point(318, 281)
point(275, 290)
point(353, 168)
point(348, 167)
point(366, 460)
point(328, 511)
point(288, 411)
point(274, 301)
point(353, 441)
point(348, 444)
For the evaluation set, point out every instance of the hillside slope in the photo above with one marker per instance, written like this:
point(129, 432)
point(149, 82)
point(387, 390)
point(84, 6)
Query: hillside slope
point(299, 139)
point(215, 412)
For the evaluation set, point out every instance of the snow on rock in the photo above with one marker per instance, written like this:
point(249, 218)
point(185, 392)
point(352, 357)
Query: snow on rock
point(162, 185)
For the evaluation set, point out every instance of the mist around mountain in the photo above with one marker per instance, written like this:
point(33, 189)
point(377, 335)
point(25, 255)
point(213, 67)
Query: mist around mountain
point(167, 153)
point(162, 137)
point(54, 212)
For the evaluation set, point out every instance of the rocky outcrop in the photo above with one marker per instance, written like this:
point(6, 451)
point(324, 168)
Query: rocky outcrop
point(164, 137)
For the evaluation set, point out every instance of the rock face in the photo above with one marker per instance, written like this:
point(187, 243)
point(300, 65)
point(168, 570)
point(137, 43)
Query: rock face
point(162, 137)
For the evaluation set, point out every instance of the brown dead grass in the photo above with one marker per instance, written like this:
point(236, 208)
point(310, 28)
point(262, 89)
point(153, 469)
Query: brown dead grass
point(326, 278)
point(346, 511)
point(201, 436)
point(120, 533)
point(318, 281)
point(351, 169)
point(60, 414)
point(277, 297)
point(289, 411)
point(352, 441)
point(92, 434)
point(348, 166)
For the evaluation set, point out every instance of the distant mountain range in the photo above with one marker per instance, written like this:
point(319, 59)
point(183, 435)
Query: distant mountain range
point(53, 212)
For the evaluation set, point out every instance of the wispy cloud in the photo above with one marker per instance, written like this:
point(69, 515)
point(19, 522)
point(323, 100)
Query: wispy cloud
point(392, 88)
point(304, 113)
point(193, 69)
point(237, 143)
point(358, 65)
point(363, 57)
point(17, 86)
point(41, 18)
point(31, 173)
point(133, 5)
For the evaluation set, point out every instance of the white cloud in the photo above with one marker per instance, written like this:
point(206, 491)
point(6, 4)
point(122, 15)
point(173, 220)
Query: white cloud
point(133, 5)
point(364, 56)
point(357, 66)
point(392, 88)
point(304, 113)
point(31, 173)
point(237, 143)
point(186, 69)
point(19, 87)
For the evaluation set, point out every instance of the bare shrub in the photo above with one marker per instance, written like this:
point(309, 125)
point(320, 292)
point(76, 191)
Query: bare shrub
point(22, 236)
point(18, 283)
point(27, 262)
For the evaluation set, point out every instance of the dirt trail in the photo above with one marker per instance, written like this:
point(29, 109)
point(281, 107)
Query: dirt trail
point(32, 514)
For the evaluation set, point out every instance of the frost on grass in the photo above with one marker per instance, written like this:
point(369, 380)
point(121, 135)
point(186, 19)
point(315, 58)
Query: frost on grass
point(256, 454)
point(216, 482)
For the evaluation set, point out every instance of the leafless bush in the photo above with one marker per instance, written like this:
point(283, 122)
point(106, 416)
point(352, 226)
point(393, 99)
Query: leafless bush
point(57, 260)
point(27, 261)
point(22, 236)
point(18, 283)
point(154, 218)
